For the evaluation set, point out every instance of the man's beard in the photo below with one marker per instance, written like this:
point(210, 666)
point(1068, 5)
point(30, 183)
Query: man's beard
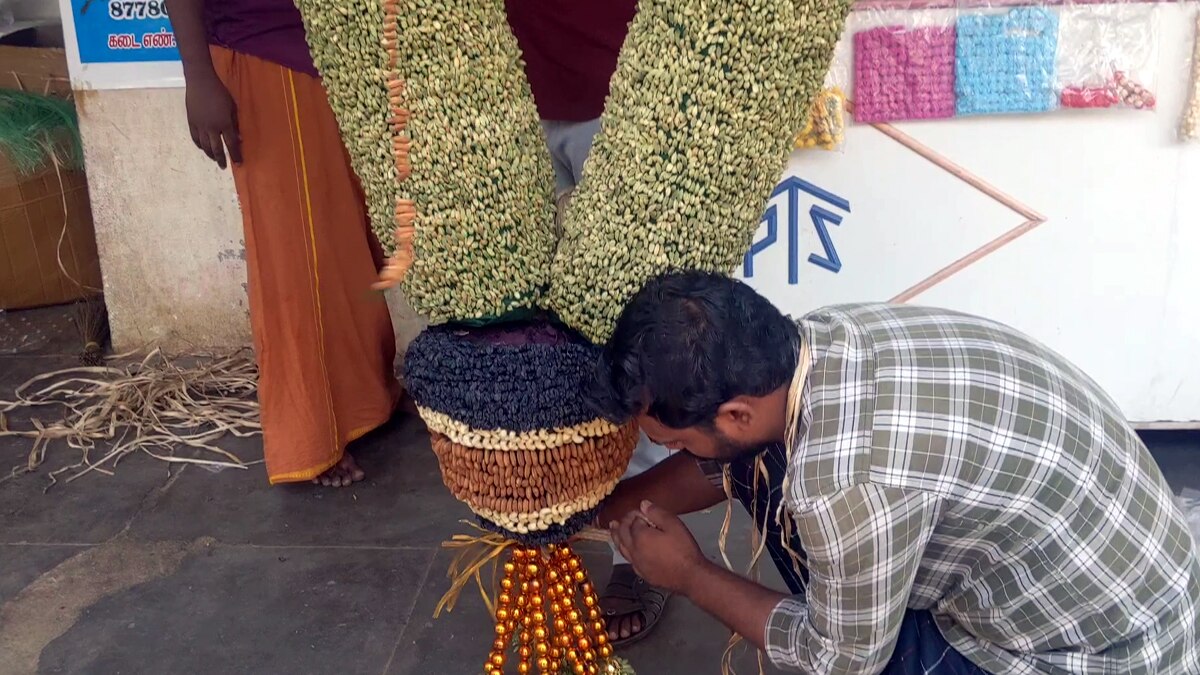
point(729, 450)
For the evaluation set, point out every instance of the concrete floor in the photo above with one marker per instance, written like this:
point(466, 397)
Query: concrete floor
point(185, 571)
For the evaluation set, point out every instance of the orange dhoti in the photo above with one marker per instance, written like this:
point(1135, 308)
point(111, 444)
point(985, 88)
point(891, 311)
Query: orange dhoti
point(323, 338)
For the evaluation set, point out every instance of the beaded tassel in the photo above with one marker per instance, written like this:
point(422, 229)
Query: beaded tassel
point(548, 606)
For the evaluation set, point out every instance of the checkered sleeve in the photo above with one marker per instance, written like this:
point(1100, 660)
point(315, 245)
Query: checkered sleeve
point(864, 547)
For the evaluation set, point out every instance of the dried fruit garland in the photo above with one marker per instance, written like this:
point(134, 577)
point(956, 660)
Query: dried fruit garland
point(704, 108)
point(513, 435)
point(441, 128)
point(440, 125)
point(517, 443)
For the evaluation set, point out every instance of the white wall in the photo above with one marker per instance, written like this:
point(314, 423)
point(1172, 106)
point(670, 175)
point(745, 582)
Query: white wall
point(1110, 278)
point(167, 224)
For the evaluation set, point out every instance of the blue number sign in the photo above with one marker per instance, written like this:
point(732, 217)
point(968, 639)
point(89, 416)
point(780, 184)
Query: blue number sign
point(821, 218)
point(123, 31)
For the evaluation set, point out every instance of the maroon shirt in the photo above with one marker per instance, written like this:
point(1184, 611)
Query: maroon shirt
point(269, 29)
point(570, 46)
point(570, 49)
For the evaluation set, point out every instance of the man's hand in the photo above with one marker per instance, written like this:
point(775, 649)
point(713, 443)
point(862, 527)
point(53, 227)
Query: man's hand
point(664, 553)
point(675, 484)
point(212, 118)
point(659, 546)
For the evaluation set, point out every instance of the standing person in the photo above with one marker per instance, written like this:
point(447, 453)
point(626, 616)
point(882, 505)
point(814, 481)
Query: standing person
point(570, 49)
point(941, 493)
point(324, 342)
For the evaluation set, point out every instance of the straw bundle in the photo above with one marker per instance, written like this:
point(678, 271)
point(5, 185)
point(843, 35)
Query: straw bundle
point(155, 406)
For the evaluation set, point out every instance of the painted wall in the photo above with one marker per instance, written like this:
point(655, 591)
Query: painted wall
point(1105, 278)
point(167, 224)
point(168, 227)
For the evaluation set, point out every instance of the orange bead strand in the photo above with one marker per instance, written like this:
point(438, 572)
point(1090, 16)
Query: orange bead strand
point(550, 608)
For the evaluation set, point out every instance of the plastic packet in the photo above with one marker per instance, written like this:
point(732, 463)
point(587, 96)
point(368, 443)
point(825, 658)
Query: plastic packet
point(1107, 54)
point(826, 126)
point(1189, 127)
point(1005, 60)
point(903, 65)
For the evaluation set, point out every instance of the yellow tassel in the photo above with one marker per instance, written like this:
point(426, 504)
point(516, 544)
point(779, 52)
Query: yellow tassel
point(477, 551)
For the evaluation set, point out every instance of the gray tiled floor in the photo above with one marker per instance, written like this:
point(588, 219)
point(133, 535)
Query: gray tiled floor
point(263, 580)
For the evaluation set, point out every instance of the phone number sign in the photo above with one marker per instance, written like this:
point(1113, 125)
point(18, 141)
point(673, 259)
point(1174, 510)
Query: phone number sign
point(123, 31)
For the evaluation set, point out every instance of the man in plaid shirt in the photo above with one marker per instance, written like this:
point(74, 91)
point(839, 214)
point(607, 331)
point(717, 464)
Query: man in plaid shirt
point(957, 499)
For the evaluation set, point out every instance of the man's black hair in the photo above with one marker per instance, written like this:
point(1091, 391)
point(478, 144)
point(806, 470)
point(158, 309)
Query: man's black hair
point(688, 342)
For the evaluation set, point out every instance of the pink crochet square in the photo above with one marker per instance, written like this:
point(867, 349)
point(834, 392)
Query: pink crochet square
point(903, 74)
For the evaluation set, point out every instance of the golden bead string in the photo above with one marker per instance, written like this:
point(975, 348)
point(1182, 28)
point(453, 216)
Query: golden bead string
point(549, 608)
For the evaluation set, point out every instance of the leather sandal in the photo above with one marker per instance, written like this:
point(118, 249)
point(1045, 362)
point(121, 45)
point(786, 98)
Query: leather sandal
point(627, 594)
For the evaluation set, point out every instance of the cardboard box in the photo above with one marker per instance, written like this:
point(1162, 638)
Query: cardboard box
point(47, 255)
point(35, 70)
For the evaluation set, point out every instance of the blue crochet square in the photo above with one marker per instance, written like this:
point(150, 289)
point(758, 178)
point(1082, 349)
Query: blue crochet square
point(1004, 63)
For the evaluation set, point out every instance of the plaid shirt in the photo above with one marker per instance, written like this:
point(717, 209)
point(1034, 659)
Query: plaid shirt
point(949, 463)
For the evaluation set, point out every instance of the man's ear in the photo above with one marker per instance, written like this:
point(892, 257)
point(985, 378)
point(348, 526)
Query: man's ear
point(735, 416)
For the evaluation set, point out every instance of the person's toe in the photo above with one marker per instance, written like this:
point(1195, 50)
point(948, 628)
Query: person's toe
point(332, 477)
point(350, 469)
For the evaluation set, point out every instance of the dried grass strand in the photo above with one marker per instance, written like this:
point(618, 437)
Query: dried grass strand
point(153, 406)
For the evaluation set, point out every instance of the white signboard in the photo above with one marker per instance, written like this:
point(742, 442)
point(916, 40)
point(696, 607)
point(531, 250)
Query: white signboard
point(120, 44)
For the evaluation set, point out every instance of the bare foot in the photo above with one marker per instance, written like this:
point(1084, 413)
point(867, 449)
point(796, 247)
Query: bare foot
point(341, 474)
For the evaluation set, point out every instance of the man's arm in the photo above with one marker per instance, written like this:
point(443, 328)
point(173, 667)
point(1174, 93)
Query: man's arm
point(187, 19)
point(742, 605)
point(864, 546)
point(212, 115)
point(676, 484)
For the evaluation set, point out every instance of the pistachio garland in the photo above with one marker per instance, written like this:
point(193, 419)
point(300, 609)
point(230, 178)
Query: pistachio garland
point(441, 128)
point(704, 107)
